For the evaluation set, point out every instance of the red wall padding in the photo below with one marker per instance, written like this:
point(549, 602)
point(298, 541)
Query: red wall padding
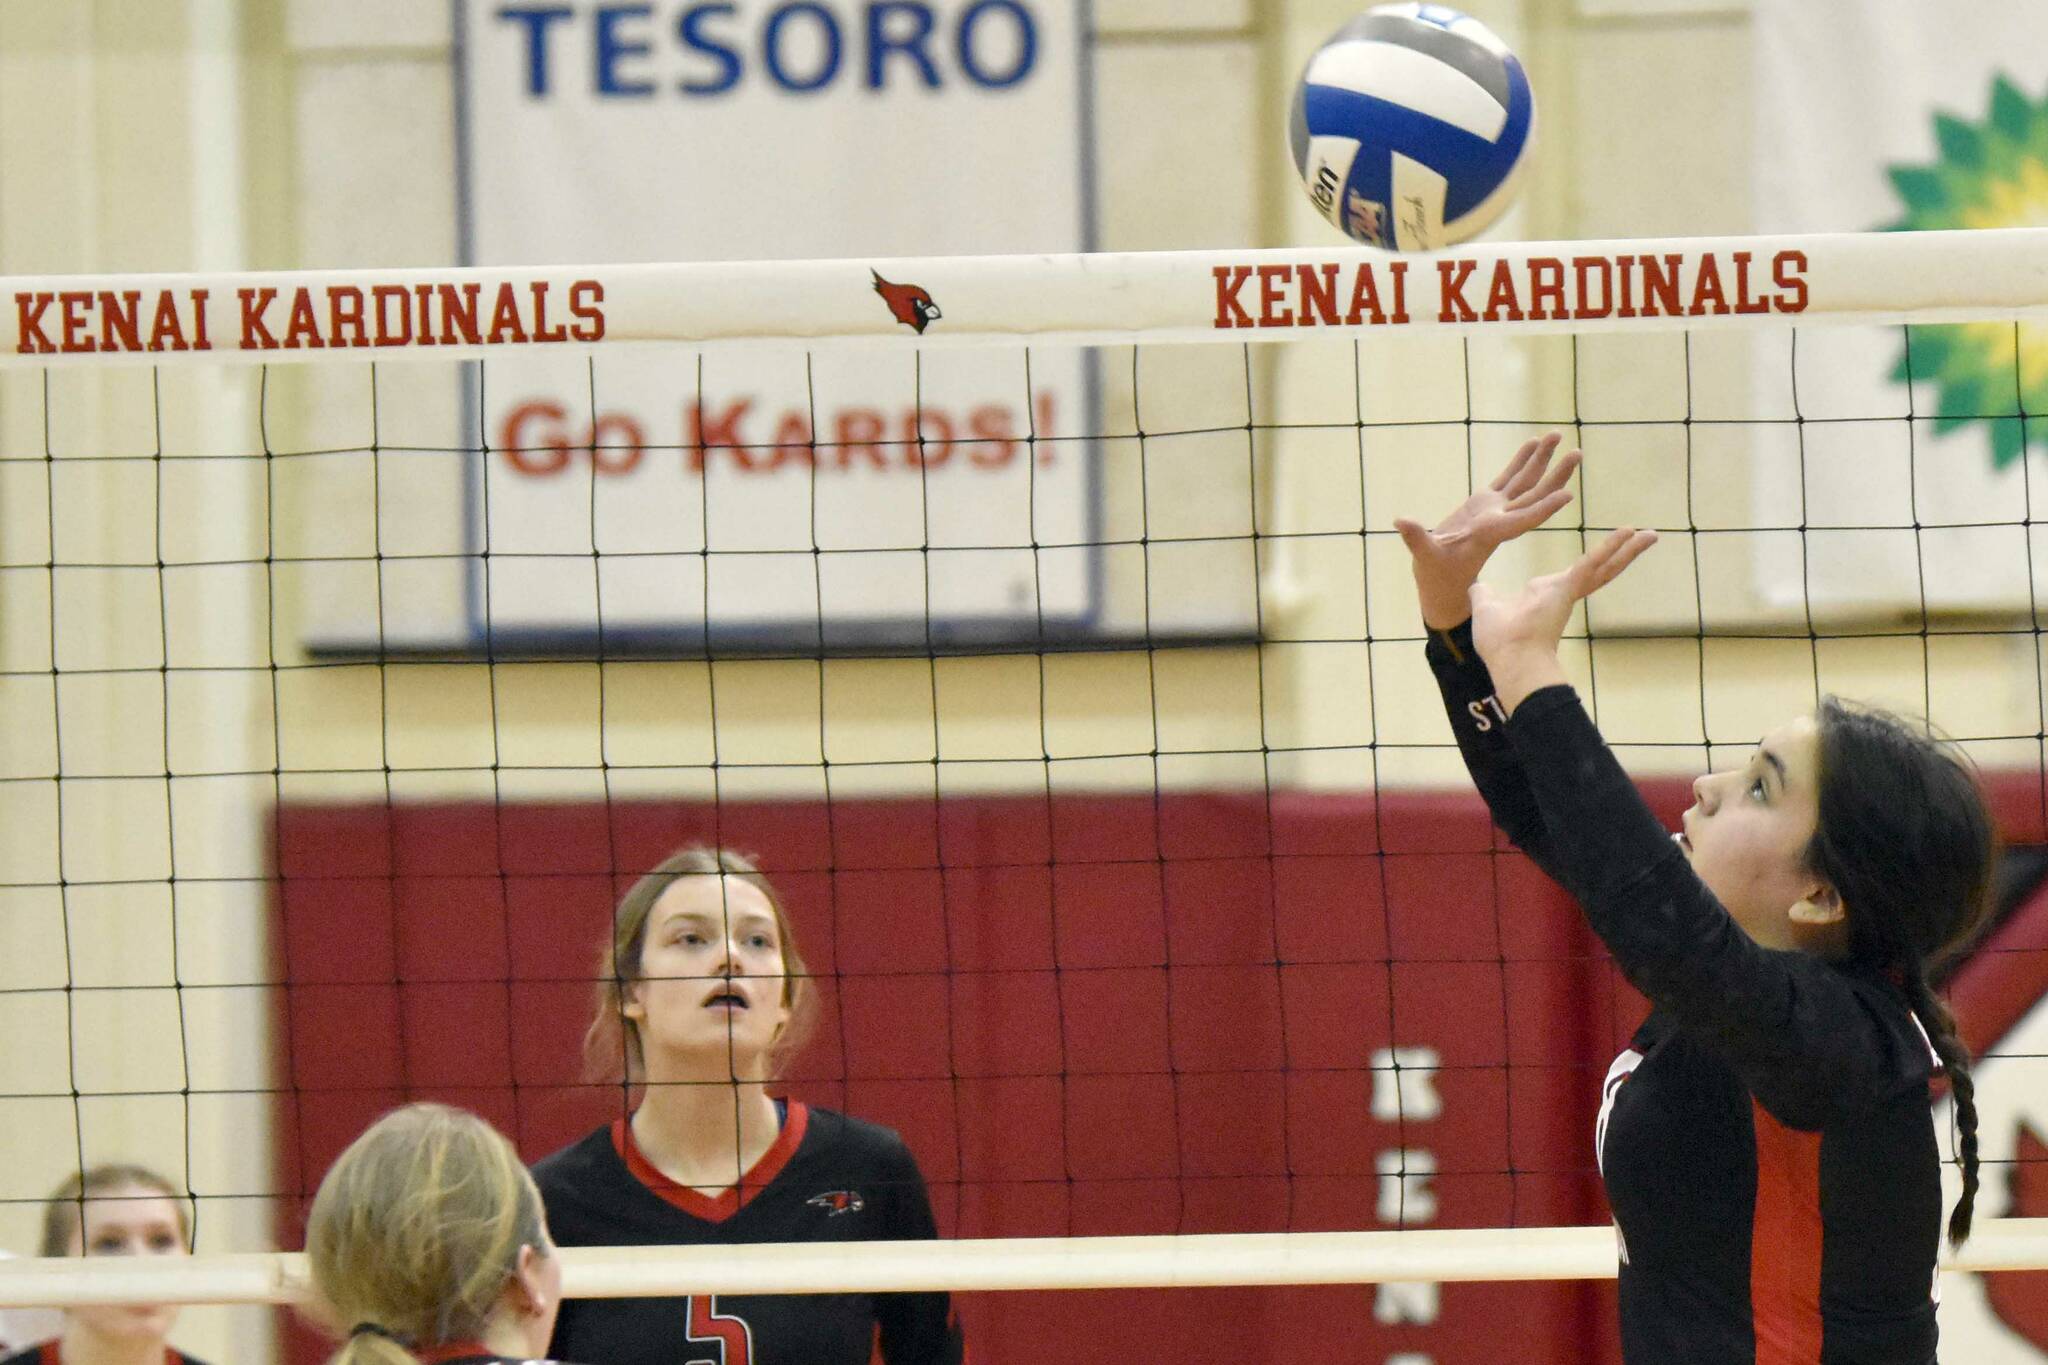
point(1087, 1015)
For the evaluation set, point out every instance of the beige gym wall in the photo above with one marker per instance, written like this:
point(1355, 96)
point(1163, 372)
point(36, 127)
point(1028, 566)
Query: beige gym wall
point(210, 134)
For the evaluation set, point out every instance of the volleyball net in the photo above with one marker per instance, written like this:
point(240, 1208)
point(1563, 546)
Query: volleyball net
point(1039, 625)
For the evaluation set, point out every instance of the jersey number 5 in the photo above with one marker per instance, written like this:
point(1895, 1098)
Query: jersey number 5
point(731, 1340)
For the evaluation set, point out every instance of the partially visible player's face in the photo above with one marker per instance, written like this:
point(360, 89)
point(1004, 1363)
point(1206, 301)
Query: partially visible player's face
point(712, 983)
point(130, 1220)
point(1748, 828)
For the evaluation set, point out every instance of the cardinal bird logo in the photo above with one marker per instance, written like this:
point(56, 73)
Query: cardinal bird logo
point(836, 1202)
point(910, 304)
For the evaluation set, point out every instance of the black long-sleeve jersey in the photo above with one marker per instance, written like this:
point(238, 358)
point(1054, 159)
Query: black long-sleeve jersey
point(1766, 1139)
point(827, 1178)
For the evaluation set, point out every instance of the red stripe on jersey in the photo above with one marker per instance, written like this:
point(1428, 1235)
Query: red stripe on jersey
point(1785, 1244)
point(716, 1208)
point(455, 1350)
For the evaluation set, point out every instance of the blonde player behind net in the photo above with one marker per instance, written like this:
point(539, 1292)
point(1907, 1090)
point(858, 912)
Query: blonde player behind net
point(428, 1246)
point(1766, 1140)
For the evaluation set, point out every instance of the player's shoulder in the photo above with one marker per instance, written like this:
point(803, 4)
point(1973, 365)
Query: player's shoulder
point(1908, 1052)
point(1827, 986)
point(573, 1165)
point(856, 1139)
point(1851, 1043)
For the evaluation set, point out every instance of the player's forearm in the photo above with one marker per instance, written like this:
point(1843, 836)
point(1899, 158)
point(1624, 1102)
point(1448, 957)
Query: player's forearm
point(1519, 672)
point(1445, 606)
point(1479, 724)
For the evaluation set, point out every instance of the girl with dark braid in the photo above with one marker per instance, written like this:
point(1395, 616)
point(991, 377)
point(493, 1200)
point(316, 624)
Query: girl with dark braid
point(1766, 1140)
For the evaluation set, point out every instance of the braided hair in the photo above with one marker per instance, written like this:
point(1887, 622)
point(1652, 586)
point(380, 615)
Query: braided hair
point(1904, 837)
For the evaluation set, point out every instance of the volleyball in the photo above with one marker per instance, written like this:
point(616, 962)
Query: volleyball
point(1411, 126)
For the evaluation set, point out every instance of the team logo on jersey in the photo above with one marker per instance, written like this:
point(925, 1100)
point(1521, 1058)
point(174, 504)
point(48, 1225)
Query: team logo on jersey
point(908, 303)
point(2000, 997)
point(836, 1202)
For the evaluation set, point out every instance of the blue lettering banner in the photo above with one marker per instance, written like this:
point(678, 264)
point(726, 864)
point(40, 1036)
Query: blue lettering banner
point(854, 499)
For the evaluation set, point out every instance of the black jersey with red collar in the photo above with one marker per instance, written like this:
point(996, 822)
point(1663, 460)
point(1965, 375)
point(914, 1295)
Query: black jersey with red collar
point(827, 1178)
point(1766, 1140)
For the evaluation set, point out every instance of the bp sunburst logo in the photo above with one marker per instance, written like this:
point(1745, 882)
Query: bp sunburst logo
point(1987, 175)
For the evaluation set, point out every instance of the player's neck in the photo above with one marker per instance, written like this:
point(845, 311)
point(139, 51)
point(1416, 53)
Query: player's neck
point(705, 1136)
point(83, 1346)
point(505, 1335)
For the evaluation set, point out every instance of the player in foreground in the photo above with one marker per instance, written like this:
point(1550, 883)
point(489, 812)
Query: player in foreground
point(114, 1211)
point(702, 994)
point(427, 1244)
point(1766, 1140)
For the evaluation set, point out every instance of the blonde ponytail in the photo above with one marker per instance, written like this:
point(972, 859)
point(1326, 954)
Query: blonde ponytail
point(367, 1348)
point(417, 1229)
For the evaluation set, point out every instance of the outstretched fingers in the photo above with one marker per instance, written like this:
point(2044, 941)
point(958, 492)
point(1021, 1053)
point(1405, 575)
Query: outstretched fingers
point(1531, 474)
point(1517, 473)
point(1605, 562)
point(1529, 516)
point(1552, 480)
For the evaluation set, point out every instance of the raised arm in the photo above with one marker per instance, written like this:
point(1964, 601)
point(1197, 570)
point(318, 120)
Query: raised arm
point(1480, 724)
point(1447, 561)
point(1448, 558)
point(1809, 1041)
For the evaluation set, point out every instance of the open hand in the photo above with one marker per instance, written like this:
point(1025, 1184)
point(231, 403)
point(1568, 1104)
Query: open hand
point(1517, 633)
point(1448, 559)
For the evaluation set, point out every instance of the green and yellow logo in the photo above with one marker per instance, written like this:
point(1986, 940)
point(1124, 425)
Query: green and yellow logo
point(1992, 174)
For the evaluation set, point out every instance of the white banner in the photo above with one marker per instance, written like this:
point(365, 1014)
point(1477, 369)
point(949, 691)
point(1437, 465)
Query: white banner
point(1902, 115)
point(695, 493)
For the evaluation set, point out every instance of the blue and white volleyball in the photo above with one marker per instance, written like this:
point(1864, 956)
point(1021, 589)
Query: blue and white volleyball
point(1411, 127)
